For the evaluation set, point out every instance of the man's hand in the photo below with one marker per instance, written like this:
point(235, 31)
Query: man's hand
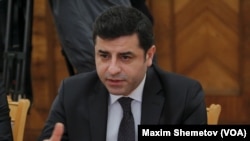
point(57, 133)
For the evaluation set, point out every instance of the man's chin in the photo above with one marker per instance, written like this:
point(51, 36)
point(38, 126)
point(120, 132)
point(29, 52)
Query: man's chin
point(116, 91)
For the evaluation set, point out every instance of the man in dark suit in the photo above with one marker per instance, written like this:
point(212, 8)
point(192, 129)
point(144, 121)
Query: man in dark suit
point(87, 107)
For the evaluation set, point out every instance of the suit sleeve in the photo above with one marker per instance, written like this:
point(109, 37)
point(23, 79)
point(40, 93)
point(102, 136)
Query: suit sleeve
point(5, 122)
point(195, 111)
point(56, 114)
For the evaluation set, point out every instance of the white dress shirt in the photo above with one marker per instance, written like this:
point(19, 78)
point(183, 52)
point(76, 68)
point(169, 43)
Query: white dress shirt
point(115, 112)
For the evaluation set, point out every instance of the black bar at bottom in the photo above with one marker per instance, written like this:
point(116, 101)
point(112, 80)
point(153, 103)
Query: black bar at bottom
point(215, 132)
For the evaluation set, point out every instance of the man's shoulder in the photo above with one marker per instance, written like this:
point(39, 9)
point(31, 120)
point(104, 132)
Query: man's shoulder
point(173, 77)
point(82, 79)
point(83, 84)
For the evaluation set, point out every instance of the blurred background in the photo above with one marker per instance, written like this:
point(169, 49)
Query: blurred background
point(208, 40)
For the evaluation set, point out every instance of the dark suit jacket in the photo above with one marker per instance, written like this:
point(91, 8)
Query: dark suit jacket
point(82, 104)
point(5, 123)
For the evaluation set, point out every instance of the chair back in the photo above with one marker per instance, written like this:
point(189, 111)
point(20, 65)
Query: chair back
point(213, 114)
point(18, 114)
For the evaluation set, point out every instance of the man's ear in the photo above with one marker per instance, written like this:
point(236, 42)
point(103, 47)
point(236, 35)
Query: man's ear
point(150, 55)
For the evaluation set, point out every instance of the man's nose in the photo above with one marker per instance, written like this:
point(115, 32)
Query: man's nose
point(114, 67)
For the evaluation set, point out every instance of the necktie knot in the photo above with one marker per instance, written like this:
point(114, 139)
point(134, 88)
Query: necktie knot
point(125, 102)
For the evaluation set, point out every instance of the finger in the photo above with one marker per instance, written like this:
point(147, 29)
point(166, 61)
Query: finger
point(57, 132)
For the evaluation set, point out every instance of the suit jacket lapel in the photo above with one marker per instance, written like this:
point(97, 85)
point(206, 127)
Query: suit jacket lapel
point(152, 100)
point(98, 116)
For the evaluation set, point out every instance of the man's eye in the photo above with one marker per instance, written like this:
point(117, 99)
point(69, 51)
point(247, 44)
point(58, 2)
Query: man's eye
point(125, 58)
point(104, 56)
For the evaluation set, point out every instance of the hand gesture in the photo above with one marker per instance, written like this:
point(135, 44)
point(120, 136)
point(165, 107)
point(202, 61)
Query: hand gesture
point(57, 133)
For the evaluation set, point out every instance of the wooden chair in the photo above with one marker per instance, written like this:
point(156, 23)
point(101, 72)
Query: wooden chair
point(18, 114)
point(213, 114)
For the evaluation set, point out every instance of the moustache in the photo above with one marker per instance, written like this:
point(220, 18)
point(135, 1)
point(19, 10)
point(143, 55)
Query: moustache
point(116, 77)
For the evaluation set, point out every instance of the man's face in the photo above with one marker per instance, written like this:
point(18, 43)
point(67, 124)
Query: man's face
point(121, 63)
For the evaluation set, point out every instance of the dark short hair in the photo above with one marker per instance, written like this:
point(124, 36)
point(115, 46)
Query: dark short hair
point(121, 21)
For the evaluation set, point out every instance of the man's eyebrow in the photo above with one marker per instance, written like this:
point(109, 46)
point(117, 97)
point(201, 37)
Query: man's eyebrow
point(122, 53)
point(126, 53)
point(102, 51)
